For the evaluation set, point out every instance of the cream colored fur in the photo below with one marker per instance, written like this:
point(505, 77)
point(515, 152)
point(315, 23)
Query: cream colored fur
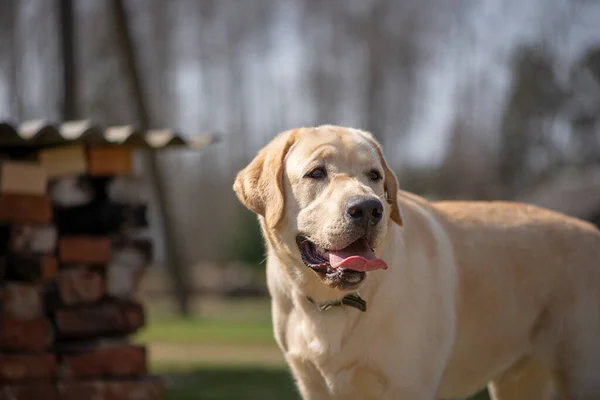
point(499, 294)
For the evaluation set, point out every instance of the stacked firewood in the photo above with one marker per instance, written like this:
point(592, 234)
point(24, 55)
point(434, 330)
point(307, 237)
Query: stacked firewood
point(75, 246)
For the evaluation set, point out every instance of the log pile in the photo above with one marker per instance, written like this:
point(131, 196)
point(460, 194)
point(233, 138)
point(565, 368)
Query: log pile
point(74, 245)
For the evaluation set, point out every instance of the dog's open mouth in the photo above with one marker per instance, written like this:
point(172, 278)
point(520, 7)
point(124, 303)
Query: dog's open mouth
point(354, 259)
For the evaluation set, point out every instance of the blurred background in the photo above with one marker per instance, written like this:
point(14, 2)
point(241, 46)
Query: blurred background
point(486, 99)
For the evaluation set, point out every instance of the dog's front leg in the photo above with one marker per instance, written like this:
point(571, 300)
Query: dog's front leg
point(418, 380)
point(415, 371)
point(310, 382)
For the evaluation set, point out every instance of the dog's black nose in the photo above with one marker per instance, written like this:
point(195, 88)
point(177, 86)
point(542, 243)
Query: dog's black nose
point(364, 210)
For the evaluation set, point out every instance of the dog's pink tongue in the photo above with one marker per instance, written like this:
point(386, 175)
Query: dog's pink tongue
point(357, 257)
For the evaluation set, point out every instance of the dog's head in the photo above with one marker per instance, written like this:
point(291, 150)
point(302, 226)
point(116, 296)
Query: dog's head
point(326, 198)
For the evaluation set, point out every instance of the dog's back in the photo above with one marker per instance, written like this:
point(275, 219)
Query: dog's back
point(528, 280)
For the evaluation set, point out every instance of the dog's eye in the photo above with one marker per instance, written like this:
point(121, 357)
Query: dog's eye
point(374, 175)
point(317, 173)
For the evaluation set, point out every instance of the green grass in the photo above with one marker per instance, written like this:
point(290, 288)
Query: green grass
point(238, 321)
point(230, 383)
point(227, 354)
point(195, 330)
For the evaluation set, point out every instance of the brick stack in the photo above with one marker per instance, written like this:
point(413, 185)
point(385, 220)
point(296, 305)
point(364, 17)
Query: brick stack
point(74, 249)
point(28, 240)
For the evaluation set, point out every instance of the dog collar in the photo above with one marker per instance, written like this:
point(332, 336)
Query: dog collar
point(351, 300)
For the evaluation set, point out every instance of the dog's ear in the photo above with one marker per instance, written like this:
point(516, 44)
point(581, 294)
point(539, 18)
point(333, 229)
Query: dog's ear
point(259, 186)
point(390, 183)
point(391, 190)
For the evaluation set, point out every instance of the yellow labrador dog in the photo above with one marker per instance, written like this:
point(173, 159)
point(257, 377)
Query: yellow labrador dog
point(379, 294)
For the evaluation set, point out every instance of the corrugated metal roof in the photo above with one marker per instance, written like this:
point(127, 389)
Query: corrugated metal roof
point(39, 133)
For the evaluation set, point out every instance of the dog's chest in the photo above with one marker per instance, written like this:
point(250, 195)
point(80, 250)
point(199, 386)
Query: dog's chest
point(357, 381)
point(348, 363)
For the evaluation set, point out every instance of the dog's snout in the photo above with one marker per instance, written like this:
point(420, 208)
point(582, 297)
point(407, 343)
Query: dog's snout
point(364, 210)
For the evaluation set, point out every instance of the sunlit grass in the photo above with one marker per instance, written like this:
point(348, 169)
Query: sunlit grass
point(228, 353)
point(237, 321)
point(197, 330)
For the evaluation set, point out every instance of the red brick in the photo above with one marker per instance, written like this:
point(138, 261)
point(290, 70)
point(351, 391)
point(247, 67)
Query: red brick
point(22, 208)
point(84, 250)
point(63, 161)
point(33, 239)
point(144, 389)
point(112, 361)
point(49, 270)
point(109, 160)
point(15, 367)
point(29, 391)
point(28, 335)
point(22, 177)
point(80, 285)
point(99, 319)
point(22, 300)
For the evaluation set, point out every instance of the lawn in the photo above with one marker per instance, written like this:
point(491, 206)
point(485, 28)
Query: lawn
point(229, 382)
point(228, 354)
point(206, 330)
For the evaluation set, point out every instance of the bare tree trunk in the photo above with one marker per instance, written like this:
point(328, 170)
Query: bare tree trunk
point(534, 95)
point(162, 109)
point(375, 79)
point(175, 265)
point(67, 46)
